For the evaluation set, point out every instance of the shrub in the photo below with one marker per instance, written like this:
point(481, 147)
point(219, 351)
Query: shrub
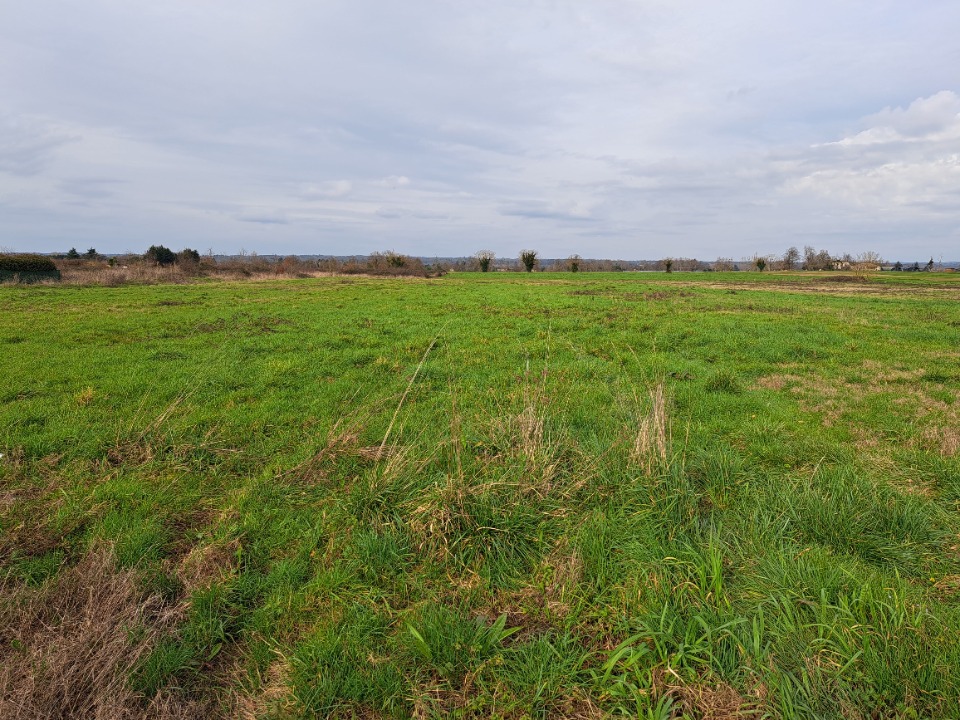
point(27, 268)
point(160, 255)
point(388, 263)
point(188, 256)
point(529, 259)
point(26, 263)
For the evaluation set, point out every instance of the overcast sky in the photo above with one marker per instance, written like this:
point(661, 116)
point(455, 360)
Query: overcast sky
point(606, 128)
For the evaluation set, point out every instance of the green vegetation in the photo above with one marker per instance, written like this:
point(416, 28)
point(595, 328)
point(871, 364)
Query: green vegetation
point(27, 268)
point(529, 259)
point(484, 495)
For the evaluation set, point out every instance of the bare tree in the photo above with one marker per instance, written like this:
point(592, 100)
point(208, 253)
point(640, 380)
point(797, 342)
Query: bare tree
point(485, 258)
point(816, 260)
point(790, 258)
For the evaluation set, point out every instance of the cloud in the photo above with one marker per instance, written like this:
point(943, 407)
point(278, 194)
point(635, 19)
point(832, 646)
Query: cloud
point(572, 212)
point(906, 160)
point(932, 118)
point(28, 143)
point(394, 181)
point(92, 188)
point(326, 190)
point(263, 219)
point(621, 127)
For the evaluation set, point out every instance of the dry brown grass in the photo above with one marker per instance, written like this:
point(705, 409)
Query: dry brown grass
point(66, 649)
point(273, 696)
point(651, 444)
point(206, 565)
point(703, 700)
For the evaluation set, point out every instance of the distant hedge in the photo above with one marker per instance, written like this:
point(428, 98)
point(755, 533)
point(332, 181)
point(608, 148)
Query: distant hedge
point(26, 263)
point(28, 268)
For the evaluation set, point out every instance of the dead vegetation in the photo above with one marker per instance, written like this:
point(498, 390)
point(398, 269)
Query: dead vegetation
point(67, 648)
point(652, 440)
point(208, 564)
point(705, 701)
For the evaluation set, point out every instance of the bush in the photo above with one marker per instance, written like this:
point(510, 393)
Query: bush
point(27, 268)
point(188, 256)
point(26, 264)
point(160, 255)
point(388, 263)
point(529, 259)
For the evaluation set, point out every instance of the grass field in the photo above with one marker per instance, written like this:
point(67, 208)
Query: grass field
point(503, 495)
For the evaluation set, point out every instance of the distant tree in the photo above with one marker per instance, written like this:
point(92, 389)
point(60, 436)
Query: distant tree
point(760, 263)
point(929, 266)
point(529, 259)
point(573, 263)
point(790, 258)
point(188, 256)
point(160, 255)
point(72, 254)
point(870, 258)
point(915, 267)
point(816, 260)
point(485, 258)
point(668, 265)
point(898, 266)
point(92, 254)
point(722, 264)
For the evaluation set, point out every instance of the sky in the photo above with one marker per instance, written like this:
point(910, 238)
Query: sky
point(633, 130)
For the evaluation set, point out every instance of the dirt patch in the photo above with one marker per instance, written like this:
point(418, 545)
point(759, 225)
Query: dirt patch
point(846, 279)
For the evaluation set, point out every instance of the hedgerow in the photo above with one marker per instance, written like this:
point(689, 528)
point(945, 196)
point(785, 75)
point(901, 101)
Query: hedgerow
point(26, 263)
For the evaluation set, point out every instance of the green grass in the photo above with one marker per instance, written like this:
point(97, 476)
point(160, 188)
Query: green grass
point(512, 549)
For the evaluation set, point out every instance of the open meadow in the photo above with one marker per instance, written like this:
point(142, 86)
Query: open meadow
point(709, 495)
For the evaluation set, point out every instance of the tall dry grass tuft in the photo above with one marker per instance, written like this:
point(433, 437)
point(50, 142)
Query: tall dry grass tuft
point(528, 426)
point(67, 649)
point(651, 445)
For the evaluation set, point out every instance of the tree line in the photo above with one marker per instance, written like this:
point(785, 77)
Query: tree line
point(527, 260)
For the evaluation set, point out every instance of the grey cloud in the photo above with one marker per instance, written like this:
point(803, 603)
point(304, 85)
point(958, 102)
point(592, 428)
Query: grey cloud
point(622, 122)
point(26, 144)
point(544, 211)
point(263, 219)
point(326, 190)
point(92, 188)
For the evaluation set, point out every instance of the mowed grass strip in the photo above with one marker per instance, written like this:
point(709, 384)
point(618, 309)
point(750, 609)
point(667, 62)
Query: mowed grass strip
point(483, 495)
